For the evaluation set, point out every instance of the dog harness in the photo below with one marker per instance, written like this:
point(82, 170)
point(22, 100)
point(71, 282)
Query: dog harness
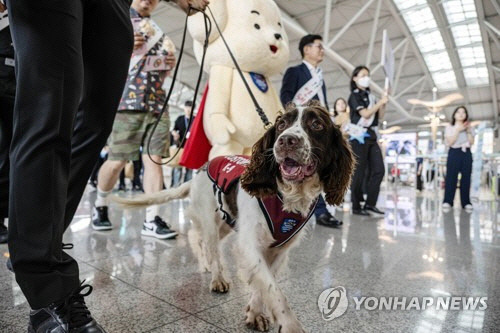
point(225, 173)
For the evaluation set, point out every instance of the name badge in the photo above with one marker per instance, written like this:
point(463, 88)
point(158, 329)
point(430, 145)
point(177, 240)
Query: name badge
point(156, 63)
point(10, 62)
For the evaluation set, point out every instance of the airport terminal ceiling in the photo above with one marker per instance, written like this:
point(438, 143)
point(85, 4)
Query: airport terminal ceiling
point(453, 45)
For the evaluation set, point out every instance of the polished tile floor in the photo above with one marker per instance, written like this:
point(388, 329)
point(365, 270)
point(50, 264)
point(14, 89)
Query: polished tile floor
point(147, 285)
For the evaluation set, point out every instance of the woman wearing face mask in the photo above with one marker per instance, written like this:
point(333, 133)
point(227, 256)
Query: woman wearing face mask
point(365, 114)
point(341, 113)
point(459, 137)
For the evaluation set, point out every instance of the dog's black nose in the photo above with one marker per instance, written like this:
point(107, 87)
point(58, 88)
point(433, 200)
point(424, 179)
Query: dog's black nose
point(278, 36)
point(288, 141)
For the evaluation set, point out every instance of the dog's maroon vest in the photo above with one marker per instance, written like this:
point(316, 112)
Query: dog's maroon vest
point(225, 172)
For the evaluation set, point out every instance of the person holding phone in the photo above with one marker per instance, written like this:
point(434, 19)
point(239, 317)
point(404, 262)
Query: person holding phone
point(139, 109)
point(341, 113)
point(459, 136)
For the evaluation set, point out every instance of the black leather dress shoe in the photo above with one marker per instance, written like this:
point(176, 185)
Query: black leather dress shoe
point(69, 316)
point(328, 220)
point(4, 233)
point(361, 212)
point(374, 209)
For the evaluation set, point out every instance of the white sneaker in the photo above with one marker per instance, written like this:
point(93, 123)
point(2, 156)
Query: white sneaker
point(446, 207)
point(158, 228)
point(468, 207)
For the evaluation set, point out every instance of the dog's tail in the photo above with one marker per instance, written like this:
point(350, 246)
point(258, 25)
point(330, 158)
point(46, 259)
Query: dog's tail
point(155, 198)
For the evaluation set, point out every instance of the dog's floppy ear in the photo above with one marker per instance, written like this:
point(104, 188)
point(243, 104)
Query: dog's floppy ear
point(196, 25)
point(336, 177)
point(259, 178)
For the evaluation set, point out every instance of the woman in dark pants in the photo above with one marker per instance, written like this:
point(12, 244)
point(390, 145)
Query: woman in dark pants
point(365, 114)
point(459, 137)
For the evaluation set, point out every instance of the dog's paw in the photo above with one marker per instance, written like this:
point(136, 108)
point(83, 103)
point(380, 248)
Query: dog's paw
point(294, 327)
point(219, 285)
point(257, 322)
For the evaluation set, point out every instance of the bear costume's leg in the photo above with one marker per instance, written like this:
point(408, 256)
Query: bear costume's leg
point(230, 148)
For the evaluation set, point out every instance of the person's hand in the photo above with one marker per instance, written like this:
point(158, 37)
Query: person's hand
point(139, 40)
point(171, 60)
point(176, 135)
point(384, 100)
point(198, 4)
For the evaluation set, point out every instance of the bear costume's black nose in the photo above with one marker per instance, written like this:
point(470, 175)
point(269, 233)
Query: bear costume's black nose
point(278, 36)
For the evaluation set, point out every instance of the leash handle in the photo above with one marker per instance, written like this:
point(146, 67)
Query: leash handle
point(262, 115)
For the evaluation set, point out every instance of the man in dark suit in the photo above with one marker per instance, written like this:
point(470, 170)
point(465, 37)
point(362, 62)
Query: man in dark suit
point(301, 84)
point(180, 128)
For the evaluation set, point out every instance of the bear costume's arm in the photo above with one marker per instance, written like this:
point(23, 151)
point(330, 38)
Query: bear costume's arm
point(219, 127)
point(289, 86)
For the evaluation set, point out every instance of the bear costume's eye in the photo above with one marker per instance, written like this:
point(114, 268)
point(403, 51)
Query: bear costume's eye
point(256, 26)
point(279, 24)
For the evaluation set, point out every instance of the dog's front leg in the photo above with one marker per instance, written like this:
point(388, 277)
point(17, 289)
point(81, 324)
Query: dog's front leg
point(213, 256)
point(256, 318)
point(262, 281)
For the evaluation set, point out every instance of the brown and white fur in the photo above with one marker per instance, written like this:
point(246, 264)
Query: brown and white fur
point(302, 155)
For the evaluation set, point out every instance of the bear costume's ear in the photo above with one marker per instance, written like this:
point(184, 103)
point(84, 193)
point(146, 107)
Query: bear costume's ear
point(196, 24)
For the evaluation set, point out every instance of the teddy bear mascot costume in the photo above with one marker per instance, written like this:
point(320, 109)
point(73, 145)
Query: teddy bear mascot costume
point(227, 122)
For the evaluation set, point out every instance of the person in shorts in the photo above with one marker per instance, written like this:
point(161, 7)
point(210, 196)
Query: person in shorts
point(140, 106)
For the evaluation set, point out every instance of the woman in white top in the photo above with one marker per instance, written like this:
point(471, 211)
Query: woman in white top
point(459, 136)
point(341, 113)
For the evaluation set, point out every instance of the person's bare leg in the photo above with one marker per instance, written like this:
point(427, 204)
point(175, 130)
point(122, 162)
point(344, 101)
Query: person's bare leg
point(153, 174)
point(108, 174)
point(153, 182)
point(106, 180)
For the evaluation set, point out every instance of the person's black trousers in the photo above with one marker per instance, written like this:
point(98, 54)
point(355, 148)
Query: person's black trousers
point(458, 162)
point(320, 207)
point(420, 183)
point(72, 59)
point(7, 95)
point(367, 155)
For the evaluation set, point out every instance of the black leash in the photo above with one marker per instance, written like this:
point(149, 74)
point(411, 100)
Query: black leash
point(208, 30)
point(262, 115)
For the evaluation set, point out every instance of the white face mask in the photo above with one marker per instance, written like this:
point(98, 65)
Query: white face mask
point(364, 81)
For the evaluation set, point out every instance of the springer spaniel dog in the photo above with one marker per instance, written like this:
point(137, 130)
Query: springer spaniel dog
point(266, 199)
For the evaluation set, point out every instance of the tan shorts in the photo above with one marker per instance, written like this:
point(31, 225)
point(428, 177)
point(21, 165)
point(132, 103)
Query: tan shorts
point(131, 130)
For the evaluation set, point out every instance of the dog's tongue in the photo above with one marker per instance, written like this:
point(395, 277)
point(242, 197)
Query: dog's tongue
point(290, 166)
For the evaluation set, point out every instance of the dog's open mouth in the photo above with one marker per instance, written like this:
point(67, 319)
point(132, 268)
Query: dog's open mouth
point(273, 48)
point(291, 170)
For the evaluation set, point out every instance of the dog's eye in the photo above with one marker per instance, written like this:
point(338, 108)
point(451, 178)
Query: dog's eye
point(256, 26)
point(317, 126)
point(281, 126)
point(279, 24)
